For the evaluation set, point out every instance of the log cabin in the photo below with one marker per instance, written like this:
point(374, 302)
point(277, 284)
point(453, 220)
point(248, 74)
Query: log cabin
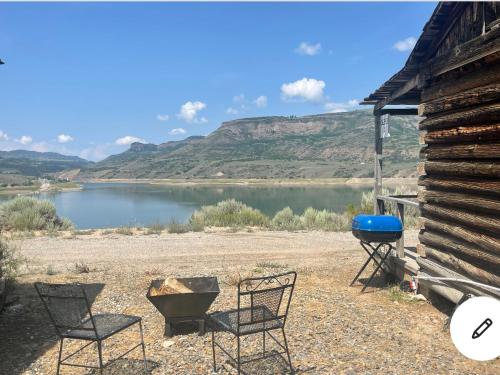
point(452, 80)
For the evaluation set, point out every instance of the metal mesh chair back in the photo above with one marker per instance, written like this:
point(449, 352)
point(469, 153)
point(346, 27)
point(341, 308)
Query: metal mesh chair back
point(67, 305)
point(265, 299)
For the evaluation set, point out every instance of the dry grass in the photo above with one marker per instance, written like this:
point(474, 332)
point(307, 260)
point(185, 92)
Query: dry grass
point(81, 268)
point(84, 232)
point(125, 230)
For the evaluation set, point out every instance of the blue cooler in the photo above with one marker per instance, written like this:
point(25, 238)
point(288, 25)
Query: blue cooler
point(377, 228)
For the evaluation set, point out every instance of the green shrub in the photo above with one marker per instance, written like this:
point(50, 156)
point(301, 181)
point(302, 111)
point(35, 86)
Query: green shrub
point(228, 213)
point(313, 219)
point(125, 230)
point(10, 260)
point(310, 218)
point(155, 228)
point(176, 227)
point(332, 221)
point(286, 220)
point(196, 223)
point(26, 214)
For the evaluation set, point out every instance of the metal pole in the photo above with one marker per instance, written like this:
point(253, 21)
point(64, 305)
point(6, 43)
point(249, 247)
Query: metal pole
point(377, 188)
point(400, 244)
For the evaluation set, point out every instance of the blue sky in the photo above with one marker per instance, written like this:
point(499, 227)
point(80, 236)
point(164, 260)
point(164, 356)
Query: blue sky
point(89, 78)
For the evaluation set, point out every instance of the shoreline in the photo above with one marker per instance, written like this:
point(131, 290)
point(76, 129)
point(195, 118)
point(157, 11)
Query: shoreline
point(361, 181)
point(36, 191)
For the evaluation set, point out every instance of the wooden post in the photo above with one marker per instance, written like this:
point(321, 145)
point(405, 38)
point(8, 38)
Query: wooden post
point(400, 244)
point(377, 188)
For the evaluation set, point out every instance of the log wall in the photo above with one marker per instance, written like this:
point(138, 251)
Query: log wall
point(459, 183)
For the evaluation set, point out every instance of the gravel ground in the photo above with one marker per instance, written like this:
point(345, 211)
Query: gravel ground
point(332, 328)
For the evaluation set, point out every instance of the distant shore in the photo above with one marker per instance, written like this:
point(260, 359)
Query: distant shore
point(363, 181)
point(36, 189)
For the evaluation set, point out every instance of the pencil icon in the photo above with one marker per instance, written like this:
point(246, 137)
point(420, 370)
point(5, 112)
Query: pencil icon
point(482, 328)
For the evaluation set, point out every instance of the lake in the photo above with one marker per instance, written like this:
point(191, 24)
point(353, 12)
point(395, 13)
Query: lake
point(102, 205)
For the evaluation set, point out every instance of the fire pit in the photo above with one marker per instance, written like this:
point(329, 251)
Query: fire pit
point(183, 299)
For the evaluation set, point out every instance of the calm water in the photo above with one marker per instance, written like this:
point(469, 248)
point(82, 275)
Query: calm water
point(112, 205)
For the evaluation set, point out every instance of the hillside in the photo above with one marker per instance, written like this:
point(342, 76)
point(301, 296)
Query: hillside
point(19, 165)
point(318, 146)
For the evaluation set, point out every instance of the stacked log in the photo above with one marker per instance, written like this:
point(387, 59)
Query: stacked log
point(459, 179)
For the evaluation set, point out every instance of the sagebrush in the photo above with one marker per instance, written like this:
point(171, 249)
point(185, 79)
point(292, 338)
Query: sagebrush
point(228, 213)
point(28, 214)
point(10, 260)
point(176, 227)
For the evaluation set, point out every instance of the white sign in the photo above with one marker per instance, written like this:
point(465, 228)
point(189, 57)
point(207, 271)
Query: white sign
point(384, 126)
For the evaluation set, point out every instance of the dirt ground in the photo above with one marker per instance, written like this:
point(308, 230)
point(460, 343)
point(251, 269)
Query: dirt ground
point(332, 328)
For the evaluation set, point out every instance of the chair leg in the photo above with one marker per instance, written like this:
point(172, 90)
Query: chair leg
point(238, 365)
point(143, 348)
point(99, 350)
point(263, 343)
point(60, 354)
point(213, 350)
point(287, 351)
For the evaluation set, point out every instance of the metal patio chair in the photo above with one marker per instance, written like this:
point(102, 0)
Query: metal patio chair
point(263, 304)
point(69, 310)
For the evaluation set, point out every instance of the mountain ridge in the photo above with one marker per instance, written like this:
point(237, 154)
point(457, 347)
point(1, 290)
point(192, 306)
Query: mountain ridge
point(36, 155)
point(314, 146)
point(19, 166)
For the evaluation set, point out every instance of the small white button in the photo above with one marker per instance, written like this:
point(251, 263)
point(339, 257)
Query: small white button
point(475, 328)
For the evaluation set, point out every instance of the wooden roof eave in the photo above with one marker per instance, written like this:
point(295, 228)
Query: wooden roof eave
point(478, 48)
point(408, 78)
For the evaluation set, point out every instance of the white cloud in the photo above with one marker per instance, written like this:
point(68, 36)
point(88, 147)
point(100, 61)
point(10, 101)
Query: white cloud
point(232, 111)
point(189, 111)
point(334, 107)
point(308, 89)
point(43, 147)
point(129, 139)
point(162, 117)
point(25, 140)
point(308, 49)
point(261, 101)
point(3, 136)
point(96, 152)
point(405, 44)
point(64, 138)
point(239, 98)
point(177, 131)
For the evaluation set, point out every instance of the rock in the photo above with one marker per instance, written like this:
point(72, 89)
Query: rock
point(168, 343)
point(419, 297)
